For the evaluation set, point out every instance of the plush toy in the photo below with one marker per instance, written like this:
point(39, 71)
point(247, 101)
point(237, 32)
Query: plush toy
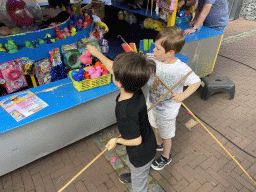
point(157, 25)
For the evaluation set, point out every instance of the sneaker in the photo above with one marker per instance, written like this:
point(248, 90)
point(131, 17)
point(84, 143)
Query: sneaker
point(125, 178)
point(160, 147)
point(160, 163)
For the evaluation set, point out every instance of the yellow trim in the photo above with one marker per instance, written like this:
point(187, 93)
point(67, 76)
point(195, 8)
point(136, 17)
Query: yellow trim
point(33, 80)
point(217, 52)
point(172, 16)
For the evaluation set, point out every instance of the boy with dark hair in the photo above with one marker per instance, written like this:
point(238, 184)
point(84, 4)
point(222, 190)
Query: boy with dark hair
point(131, 71)
point(162, 117)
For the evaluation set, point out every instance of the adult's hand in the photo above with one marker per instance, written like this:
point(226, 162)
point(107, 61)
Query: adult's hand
point(189, 31)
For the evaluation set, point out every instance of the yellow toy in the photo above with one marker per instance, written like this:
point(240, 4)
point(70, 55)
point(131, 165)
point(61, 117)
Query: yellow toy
point(2, 49)
point(103, 26)
point(63, 8)
point(73, 31)
point(121, 15)
point(157, 25)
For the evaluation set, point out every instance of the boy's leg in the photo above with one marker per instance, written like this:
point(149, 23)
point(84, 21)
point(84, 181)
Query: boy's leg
point(139, 176)
point(167, 131)
point(167, 144)
point(158, 138)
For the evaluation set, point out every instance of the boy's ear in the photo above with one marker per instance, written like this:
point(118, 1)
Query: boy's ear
point(171, 52)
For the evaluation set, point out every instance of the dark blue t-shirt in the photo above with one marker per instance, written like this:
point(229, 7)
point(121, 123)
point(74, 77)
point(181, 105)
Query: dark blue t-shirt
point(218, 15)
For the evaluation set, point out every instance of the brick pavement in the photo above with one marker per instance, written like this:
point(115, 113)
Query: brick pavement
point(199, 164)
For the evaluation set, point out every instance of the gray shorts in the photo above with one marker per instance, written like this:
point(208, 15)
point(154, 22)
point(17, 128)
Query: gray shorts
point(139, 176)
point(166, 127)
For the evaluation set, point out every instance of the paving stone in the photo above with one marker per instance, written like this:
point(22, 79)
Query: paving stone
point(98, 137)
point(110, 154)
point(120, 150)
point(101, 144)
point(155, 188)
point(117, 164)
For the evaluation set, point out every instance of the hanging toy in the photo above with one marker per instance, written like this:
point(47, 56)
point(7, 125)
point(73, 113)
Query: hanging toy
point(17, 10)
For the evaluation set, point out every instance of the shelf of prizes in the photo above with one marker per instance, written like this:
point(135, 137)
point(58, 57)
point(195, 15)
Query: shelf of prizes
point(57, 93)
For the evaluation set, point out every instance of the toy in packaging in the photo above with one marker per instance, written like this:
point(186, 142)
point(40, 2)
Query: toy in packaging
point(55, 57)
point(58, 69)
point(28, 66)
point(43, 71)
point(12, 73)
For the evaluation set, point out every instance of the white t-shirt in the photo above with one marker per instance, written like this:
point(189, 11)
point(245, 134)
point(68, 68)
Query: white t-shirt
point(170, 74)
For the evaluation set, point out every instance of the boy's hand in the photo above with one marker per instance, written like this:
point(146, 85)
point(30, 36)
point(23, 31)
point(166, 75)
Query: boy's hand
point(111, 144)
point(178, 97)
point(93, 50)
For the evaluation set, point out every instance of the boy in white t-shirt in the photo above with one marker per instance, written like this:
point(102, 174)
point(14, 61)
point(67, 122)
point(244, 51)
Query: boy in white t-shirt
point(162, 117)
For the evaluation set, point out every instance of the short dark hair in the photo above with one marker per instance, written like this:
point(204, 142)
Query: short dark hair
point(133, 70)
point(172, 39)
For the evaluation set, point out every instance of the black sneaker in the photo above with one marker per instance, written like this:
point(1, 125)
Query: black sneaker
point(160, 163)
point(125, 178)
point(160, 147)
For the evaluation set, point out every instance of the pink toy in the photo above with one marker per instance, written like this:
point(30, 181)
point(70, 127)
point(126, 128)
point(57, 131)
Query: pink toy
point(104, 73)
point(87, 53)
point(98, 69)
point(93, 73)
point(85, 60)
point(80, 23)
point(90, 70)
point(66, 32)
point(86, 24)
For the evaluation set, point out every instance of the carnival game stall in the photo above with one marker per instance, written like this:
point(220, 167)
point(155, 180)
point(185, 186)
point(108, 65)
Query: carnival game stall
point(57, 93)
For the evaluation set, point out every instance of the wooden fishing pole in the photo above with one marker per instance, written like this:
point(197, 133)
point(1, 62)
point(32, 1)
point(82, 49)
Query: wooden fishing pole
point(98, 156)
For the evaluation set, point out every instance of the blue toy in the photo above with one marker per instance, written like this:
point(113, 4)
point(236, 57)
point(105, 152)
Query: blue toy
point(78, 28)
point(73, 73)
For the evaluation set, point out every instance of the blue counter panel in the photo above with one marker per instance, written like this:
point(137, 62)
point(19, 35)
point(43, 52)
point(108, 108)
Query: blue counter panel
point(202, 33)
point(64, 96)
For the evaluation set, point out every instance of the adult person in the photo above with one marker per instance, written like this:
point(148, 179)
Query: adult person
point(185, 4)
point(210, 13)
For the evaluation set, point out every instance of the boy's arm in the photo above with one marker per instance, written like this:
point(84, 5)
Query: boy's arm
point(104, 60)
point(179, 97)
point(131, 142)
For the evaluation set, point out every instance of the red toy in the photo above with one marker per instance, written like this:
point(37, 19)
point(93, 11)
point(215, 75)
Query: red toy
point(88, 19)
point(86, 75)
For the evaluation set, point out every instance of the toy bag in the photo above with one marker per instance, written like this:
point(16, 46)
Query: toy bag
point(12, 73)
